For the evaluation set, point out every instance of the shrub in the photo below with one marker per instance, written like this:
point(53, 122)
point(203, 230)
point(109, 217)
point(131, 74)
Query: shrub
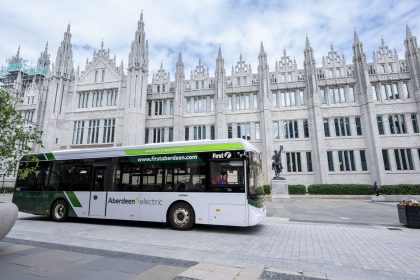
point(400, 189)
point(267, 189)
point(6, 190)
point(341, 189)
point(297, 189)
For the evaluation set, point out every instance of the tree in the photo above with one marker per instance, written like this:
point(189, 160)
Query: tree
point(16, 136)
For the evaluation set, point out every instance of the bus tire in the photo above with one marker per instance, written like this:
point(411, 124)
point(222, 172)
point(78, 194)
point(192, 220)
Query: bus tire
point(181, 216)
point(60, 210)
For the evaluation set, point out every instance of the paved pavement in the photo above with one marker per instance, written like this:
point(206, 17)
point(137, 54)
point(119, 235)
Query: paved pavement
point(275, 249)
point(347, 211)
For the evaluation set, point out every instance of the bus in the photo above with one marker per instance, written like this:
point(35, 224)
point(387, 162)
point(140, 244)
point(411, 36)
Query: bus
point(215, 182)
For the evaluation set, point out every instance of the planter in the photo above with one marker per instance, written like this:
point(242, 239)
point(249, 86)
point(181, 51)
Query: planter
point(409, 215)
point(8, 215)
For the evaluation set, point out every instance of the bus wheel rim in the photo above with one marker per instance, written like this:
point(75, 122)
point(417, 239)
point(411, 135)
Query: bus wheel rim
point(181, 216)
point(59, 211)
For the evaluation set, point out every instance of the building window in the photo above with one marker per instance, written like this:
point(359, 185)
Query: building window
point(330, 161)
point(294, 163)
point(199, 132)
point(211, 104)
point(380, 123)
point(96, 76)
point(275, 100)
point(257, 131)
point(351, 95)
point(291, 129)
point(146, 136)
point(158, 135)
point(403, 159)
point(326, 127)
point(358, 126)
point(78, 129)
point(415, 123)
point(322, 96)
point(305, 129)
point(171, 107)
point(397, 124)
point(255, 101)
point(276, 130)
point(149, 108)
point(406, 93)
point(374, 93)
point(171, 134)
point(309, 161)
point(229, 129)
point(188, 105)
point(363, 160)
point(301, 98)
point(244, 130)
point(212, 132)
point(187, 133)
point(230, 103)
point(93, 132)
point(346, 160)
point(109, 131)
point(103, 75)
point(385, 157)
point(342, 127)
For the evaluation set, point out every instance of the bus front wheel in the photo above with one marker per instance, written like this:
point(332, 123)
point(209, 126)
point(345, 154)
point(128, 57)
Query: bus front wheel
point(59, 210)
point(181, 216)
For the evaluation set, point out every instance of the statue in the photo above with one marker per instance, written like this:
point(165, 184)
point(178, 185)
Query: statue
point(276, 165)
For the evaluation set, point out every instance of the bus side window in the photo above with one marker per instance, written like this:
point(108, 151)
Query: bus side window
point(32, 176)
point(227, 176)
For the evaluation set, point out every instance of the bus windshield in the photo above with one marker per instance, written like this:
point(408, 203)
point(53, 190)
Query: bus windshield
point(255, 176)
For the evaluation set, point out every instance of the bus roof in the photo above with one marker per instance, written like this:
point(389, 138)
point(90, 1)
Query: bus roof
point(150, 149)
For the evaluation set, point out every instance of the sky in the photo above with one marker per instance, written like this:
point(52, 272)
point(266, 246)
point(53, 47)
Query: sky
point(197, 28)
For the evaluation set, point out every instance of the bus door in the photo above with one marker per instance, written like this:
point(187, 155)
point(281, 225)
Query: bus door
point(98, 194)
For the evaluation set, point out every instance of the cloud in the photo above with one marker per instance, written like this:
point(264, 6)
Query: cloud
point(198, 27)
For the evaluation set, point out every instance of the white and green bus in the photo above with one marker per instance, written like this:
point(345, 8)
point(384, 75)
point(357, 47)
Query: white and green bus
point(216, 182)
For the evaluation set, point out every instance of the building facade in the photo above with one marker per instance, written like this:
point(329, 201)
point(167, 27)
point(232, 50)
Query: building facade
point(338, 122)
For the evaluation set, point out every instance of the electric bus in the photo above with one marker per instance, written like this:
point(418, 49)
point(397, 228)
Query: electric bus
point(215, 182)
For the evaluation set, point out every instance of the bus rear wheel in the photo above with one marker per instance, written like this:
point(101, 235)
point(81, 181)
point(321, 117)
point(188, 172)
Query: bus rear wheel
point(181, 216)
point(59, 210)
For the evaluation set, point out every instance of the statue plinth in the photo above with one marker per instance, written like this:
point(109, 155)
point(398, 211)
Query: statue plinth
point(279, 188)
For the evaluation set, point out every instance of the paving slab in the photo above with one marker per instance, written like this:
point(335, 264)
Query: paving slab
point(160, 272)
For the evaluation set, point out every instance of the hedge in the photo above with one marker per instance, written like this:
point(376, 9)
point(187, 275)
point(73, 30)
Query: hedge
point(400, 189)
point(297, 189)
point(6, 190)
point(341, 189)
point(267, 189)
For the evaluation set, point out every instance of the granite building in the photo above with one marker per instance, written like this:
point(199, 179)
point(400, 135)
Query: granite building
point(338, 122)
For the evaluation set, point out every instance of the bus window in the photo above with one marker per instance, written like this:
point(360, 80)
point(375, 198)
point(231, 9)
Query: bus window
point(127, 177)
point(71, 175)
point(186, 177)
point(32, 176)
point(152, 178)
point(227, 176)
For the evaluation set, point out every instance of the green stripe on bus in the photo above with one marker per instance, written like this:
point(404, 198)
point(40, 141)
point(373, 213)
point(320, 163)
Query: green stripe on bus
point(49, 156)
point(186, 149)
point(73, 199)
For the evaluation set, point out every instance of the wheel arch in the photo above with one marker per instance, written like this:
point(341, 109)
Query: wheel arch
point(175, 202)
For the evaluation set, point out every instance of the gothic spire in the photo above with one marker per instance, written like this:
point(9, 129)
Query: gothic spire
point(408, 33)
point(44, 58)
point(179, 66)
point(138, 56)
point(262, 52)
point(356, 37)
point(219, 53)
point(307, 44)
point(179, 58)
point(64, 58)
